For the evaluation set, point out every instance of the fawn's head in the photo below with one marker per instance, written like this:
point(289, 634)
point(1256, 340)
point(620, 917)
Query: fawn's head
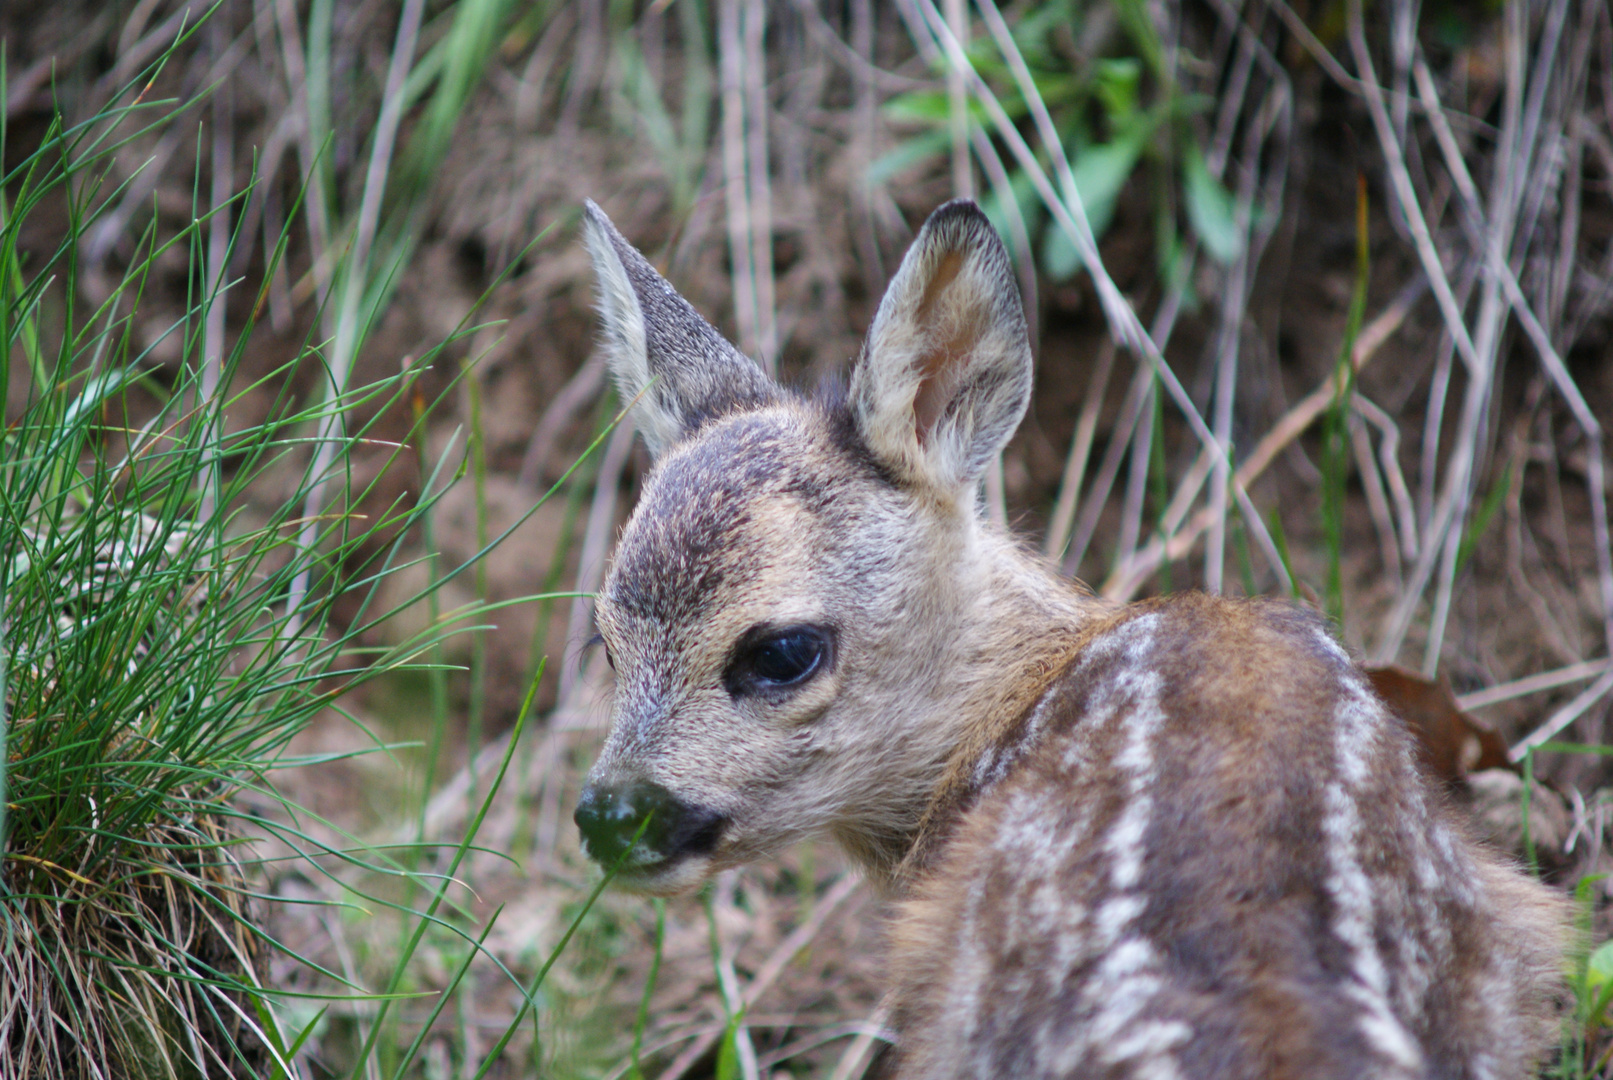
point(795, 606)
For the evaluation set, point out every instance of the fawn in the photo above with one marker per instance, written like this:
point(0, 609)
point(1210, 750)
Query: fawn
point(1176, 838)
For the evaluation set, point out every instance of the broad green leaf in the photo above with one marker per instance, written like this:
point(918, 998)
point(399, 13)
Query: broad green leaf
point(1116, 83)
point(1599, 968)
point(728, 1052)
point(1599, 979)
point(1210, 209)
point(930, 106)
point(1099, 172)
point(908, 154)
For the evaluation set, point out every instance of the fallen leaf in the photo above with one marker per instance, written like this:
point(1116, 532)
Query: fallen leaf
point(1450, 743)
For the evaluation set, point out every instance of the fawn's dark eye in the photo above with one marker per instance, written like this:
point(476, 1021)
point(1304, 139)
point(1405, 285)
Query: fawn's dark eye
point(770, 658)
point(787, 658)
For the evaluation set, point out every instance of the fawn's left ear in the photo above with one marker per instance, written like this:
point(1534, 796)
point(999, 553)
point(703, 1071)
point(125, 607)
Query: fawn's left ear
point(660, 351)
point(945, 374)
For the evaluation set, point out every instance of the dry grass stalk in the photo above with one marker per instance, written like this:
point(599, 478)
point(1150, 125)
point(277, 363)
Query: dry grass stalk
point(1522, 173)
point(1564, 716)
point(1533, 684)
point(747, 197)
point(1071, 218)
point(1405, 520)
point(855, 1061)
point(1075, 465)
point(769, 971)
point(1377, 498)
point(142, 926)
point(347, 332)
point(758, 169)
point(1127, 579)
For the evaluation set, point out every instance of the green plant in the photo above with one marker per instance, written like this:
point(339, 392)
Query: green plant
point(1335, 429)
point(169, 625)
point(1586, 1048)
point(1113, 116)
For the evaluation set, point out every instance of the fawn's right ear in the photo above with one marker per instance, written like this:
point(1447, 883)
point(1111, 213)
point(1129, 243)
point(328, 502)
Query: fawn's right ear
point(681, 370)
point(945, 374)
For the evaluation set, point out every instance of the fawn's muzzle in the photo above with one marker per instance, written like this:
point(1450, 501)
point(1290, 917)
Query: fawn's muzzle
point(610, 816)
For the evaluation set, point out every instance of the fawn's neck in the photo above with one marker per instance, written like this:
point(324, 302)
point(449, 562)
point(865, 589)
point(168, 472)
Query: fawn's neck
point(1010, 625)
point(1016, 635)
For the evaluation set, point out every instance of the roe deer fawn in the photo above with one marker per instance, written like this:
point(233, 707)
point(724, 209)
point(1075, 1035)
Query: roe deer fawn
point(1176, 838)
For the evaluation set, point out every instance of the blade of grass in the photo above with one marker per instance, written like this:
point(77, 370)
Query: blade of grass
point(531, 995)
point(642, 1019)
point(406, 953)
point(1335, 429)
point(349, 333)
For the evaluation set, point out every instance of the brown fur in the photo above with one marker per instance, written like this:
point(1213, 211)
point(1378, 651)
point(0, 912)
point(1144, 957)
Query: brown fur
point(1234, 880)
point(1181, 838)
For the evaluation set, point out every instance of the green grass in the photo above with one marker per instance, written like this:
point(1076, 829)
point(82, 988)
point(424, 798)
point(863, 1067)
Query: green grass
point(168, 632)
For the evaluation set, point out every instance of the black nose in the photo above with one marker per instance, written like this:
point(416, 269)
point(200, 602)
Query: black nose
point(611, 815)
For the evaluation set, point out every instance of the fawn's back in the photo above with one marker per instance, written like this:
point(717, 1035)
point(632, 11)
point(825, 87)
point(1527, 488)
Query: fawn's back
point(1206, 852)
point(1181, 838)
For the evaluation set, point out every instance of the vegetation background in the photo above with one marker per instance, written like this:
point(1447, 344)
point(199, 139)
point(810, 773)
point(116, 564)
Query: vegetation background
point(1321, 294)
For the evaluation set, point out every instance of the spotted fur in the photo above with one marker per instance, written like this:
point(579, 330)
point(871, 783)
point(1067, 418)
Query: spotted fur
point(1177, 839)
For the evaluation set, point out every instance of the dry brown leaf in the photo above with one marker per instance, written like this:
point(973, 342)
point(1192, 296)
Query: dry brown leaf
point(1450, 743)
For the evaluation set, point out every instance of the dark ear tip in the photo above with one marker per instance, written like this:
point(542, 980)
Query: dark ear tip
point(961, 205)
point(958, 212)
point(960, 224)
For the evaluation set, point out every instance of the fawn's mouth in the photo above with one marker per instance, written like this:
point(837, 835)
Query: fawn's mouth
point(666, 877)
point(648, 871)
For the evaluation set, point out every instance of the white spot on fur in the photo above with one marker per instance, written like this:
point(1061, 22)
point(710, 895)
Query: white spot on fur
point(1385, 1033)
point(1151, 1039)
point(987, 770)
point(1355, 723)
point(995, 763)
point(1037, 721)
point(1127, 960)
point(1078, 754)
point(1125, 841)
point(1125, 984)
point(1330, 646)
point(1118, 913)
point(1347, 882)
point(1116, 997)
point(1408, 907)
point(1349, 886)
point(1132, 638)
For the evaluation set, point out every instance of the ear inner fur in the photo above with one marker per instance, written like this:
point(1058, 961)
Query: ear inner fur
point(945, 375)
point(945, 274)
point(943, 365)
